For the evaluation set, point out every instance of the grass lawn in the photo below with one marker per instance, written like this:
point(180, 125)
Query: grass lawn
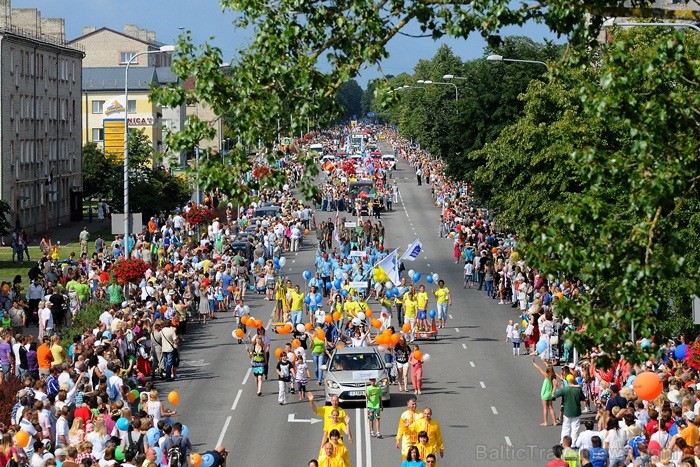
point(8, 269)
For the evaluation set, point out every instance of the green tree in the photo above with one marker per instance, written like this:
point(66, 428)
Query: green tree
point(349, 97)
point(97, 170)
point(5, 214)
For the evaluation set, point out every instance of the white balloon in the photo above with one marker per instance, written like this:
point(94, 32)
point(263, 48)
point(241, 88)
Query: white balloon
point(356, 321)
point(361, 315)
point(283, 261)
point(411, 273)
point(290, 356)
point(246, 309)
point(389, 285)
point(377, 286)
point(436, 277)
point(233, 334)
point(426, 357)
point(301, 327)
point(289, 295)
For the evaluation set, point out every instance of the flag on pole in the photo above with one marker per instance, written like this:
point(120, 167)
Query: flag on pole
point(412, 251)
point(390, 266)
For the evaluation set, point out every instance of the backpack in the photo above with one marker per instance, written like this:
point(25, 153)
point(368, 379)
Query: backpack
point(136, 448)
point(175, 458)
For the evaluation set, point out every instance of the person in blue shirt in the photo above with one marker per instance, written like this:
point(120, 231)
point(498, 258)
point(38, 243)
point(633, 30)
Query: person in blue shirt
point(597, 454)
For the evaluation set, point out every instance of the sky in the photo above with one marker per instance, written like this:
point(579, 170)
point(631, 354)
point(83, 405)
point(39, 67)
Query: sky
point(205, 19)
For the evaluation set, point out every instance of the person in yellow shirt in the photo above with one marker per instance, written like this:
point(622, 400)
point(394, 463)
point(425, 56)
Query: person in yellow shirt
point(422, 305)
point(444, 299)
point(410, 307)
point(691, 433)
point(328, 458)
point(325, 412)
point(424, 446)
point(431, 427)
point(351, 307)
point(339, 449)
point(296, 304)
point(398, 301)
point(281, 303)
point(341, 426)
point(406, 439)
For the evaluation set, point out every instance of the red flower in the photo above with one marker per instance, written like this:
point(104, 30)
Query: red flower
point(693, 357)
point(261, 171)
point(198, 215)
point(129, 270)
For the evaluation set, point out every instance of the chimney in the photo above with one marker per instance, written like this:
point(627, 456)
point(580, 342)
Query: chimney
point(5, 13)
point(88, 29)
point(28, 19)
point(143, 35)
point(131, 30)
point(55, 28)
point(151, 36)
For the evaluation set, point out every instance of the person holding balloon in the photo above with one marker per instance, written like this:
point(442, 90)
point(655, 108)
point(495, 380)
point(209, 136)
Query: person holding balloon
point(416, 362)
point(410, 306)
point(422, 305)
point(257, 361)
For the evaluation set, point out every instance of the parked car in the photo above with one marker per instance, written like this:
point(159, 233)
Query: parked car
point(348, 371)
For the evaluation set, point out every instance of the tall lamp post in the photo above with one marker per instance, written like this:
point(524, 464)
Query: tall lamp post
point(612, 22)
point(499, 58)
point(127, 230)
point(421, 81)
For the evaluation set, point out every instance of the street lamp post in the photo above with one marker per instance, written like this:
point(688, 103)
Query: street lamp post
point(635, 24)
point(428, 82)
point(164, 48)
point(499, 58)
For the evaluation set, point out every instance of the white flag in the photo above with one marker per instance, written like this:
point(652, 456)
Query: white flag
point(390, 266)
point(412, 251)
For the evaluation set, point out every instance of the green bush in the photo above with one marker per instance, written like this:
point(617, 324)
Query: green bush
point(87, 318)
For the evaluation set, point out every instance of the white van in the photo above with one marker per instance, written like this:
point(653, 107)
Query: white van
point(317, 148)
point(390, 161)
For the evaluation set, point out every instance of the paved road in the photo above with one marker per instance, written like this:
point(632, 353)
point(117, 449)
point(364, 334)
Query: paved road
point(486, 400)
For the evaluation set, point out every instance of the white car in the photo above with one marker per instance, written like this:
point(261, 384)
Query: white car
point(390, 161)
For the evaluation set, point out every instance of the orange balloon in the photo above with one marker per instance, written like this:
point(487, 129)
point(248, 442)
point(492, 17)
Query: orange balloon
point(376, 323)
point(258, 323)
point(230, 289)
point(418, 355)
point(368, 313)
point(296, 343)
point(278, 352)
point(307, 231)
point(451, 235)
point(244, 319)
point(494, 250)
point(320, 333)
point(196, 459)
point(648, 385)
point(130, 397)
point(287, 328)
point(406, 327)
point(380, 339)
point(328, 319)
point(395, 339)
point(308, 326)
point(239, 333)
point(163, 308)
point(387, 333)
point(337, 316)
point(174, 397)
point(22, 438)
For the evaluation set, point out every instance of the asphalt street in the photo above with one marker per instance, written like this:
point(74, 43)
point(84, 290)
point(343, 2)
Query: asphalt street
point(485, 399)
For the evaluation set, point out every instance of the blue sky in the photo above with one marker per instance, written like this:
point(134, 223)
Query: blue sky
point(205, 19)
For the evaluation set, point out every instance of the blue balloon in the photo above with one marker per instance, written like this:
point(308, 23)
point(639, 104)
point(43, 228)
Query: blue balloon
point(389, 294)
point(344, 293)
point(261, 260)
point(416, 277)
point(429, 279)
point(337, 283)
point(152, 436)
point(159, 455)
point(328, 285)
point(207, 460)
point(276, 261)
point(646, 343)
point(396, 291)
point(431, 313)
point(123, 424)
point(307, 275)
point(319, 298)
point(307, 299)
point(681, 352)
point(541, 347)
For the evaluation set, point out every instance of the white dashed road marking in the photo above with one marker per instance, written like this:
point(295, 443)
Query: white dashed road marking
point(493, 409)
point(464, 346)
point(235, 402)
point(481, 383)
point(472, 364)
point(508, 442)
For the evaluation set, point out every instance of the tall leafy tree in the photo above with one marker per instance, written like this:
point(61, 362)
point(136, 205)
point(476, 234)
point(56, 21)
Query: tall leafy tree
point(349, 97)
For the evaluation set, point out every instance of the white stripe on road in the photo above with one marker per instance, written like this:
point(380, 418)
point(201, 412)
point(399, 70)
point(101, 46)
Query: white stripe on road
point(472, 364)
point(235, 402)
point(456, 329)
point(493, 409)
point(223, 431)
point(358, 437)
point(482, 384)
point(508, 442)
point(245, 379)
point(464, 346)
point(368, 441)
point(450, 316)
point(267, 326)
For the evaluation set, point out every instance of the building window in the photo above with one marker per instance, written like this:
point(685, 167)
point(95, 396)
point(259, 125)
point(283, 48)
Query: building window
point(131, 106)
point(125, 57)
point(98, 107)
point(98, 134)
